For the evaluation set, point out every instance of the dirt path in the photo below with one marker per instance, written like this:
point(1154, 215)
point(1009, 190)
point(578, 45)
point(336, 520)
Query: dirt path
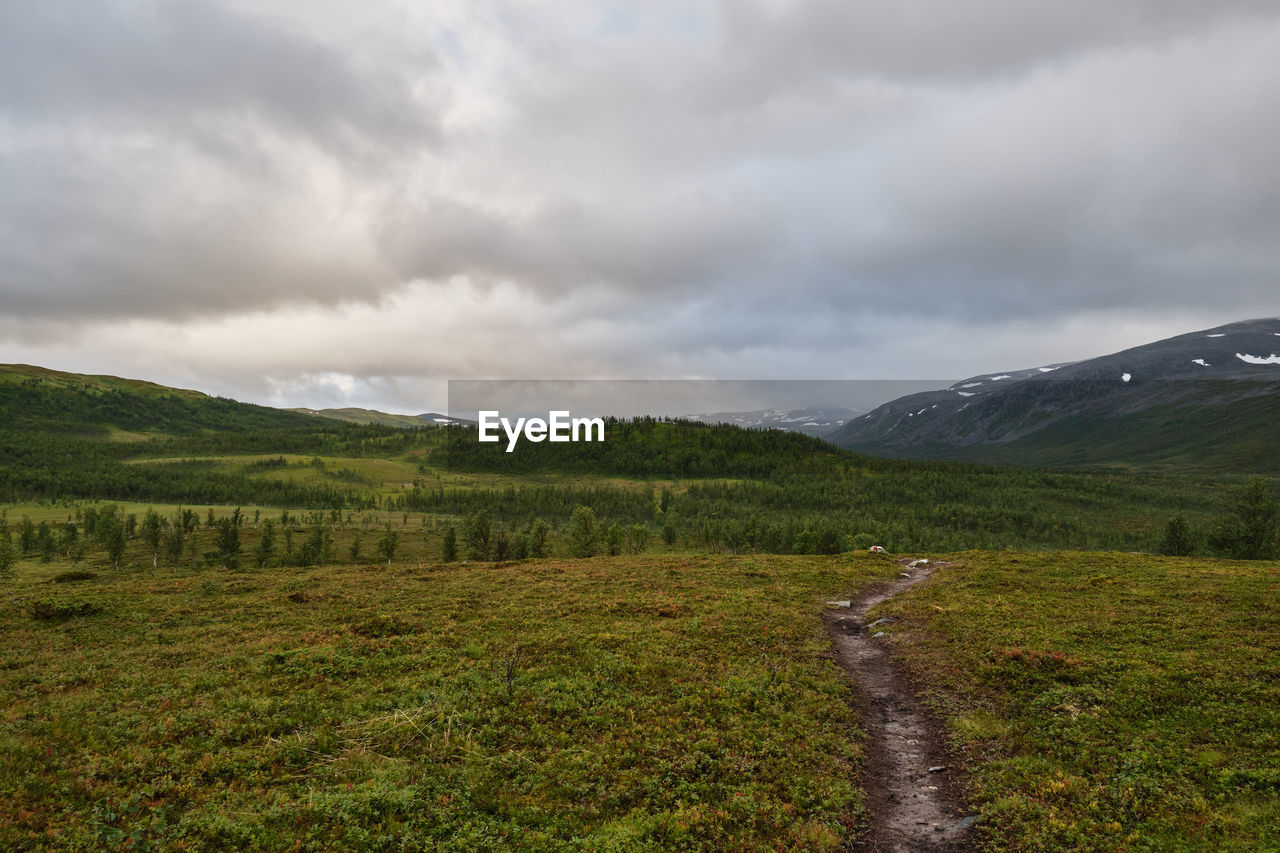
point(913, 795)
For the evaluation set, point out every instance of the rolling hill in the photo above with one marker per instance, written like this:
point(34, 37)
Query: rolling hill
point(1202, 401)
point(39, 399)
point(373, 416)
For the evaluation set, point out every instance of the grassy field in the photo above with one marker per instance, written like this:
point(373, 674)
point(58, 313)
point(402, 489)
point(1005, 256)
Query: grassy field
point(1107, 701)
point(655, 702)
point(642, 703)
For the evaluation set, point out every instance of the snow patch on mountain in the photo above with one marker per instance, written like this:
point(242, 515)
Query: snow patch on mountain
point(1258, 359)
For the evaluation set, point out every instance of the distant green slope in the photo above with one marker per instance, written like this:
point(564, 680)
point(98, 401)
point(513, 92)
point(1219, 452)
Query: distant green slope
point(366, 416)
point(38, 399)
point(20, 374)
point(1193, 436)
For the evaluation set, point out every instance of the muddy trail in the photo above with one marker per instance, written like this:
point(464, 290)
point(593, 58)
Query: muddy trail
point(913, 793)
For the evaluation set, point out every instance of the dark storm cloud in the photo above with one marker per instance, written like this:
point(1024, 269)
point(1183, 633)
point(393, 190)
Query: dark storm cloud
point(739, 177)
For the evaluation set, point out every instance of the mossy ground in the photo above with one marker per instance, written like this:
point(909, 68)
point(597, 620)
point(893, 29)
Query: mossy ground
point(650, 702)
point(1104, 702)
point(1107, 701)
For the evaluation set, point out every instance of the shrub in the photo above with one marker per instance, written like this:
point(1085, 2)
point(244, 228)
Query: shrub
point(1177, 540)
point(537, 537)
point(1249, 531)
point(478, 534)
point(583, 537)
point(73, 575)
point(449, 547)
point(45, 610)
point(384, 626)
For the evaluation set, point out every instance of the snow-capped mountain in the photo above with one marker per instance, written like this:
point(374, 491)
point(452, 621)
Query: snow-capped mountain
point(1194, 401)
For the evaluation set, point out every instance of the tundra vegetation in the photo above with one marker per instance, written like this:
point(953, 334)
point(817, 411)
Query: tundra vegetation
point(641, 702)
point(233, 627)
point(1106, 701)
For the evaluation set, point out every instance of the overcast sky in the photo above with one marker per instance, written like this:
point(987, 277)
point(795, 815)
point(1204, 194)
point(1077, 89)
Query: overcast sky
point(338, 203)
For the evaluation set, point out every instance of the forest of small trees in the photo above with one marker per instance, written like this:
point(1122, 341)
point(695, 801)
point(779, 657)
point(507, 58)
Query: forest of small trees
point(653, 484)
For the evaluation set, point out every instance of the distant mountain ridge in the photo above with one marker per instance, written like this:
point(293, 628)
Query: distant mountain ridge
point(816, 421)
point(373, 416)
point(1205, 400)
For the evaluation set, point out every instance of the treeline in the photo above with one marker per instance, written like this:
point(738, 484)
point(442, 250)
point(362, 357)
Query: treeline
point(318, 438)
point(39, 465)
point(788, 518)
point(735, 489)
point(191, 481)
point(848, 505)
point(1246, 527)
point(188, 538)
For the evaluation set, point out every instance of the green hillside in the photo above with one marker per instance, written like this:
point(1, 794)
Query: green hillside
point(20, 374)
point(35, 399)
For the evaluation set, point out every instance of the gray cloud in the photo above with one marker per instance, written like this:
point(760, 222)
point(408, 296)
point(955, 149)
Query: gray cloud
point(170, 160)
point(165, 65)
point(744, 181)
point(954, 44)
